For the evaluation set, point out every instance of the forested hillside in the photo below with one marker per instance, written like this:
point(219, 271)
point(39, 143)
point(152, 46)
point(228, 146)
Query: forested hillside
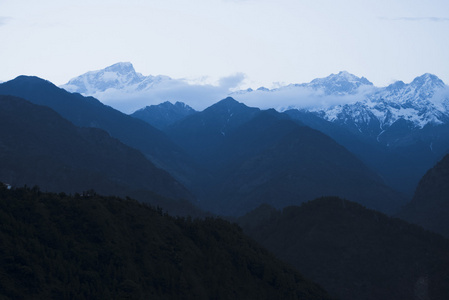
point(354, 252)
point(55, 246)
point(430, 204)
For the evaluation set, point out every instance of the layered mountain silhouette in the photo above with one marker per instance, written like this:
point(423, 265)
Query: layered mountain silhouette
point(39, 147)
point(400, 131)
point(259, 156)
point(202, 134)
point(430, 204)
point(402, 165)
point(232, 158)
point(242, 156)
point(354, 252)
point(89, 112)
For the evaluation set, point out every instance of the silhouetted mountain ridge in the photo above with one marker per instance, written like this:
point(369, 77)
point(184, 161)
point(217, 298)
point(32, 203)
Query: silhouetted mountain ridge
point(259, 156)
point(430, 204)
point(354, 252)
point(39, 147)
point(89, 112)
point(202, 134)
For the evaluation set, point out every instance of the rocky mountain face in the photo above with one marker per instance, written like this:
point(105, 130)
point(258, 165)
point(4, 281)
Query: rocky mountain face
point(164, 114)
point(420, 103)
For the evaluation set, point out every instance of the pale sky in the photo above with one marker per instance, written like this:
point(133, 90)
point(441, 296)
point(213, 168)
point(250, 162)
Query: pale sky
point(270, 42)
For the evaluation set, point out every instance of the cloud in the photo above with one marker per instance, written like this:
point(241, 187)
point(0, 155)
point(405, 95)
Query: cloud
point(297, 97)
point(198, 96)
point(416, 19)
point(201, 96)
point(232, 81)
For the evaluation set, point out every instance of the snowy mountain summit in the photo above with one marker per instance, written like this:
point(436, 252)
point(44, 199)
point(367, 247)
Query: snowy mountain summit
point(355, 102)
point(340, 84)
point(119, 77)
point(341, 98)
point(164, 114)
point(423, 101)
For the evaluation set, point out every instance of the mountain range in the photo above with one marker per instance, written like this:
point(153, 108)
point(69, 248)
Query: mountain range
point(399, 131)
point(216, 153)
point(271, 166)
point(39, 147)
point(422, 102)
point(255, 156)
point(211, 150)
point(89, 112)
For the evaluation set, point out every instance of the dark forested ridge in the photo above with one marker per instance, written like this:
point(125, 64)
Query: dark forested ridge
point(39, 147)
point(203, 133)
point(290, 164)
point(257, 157)
point(401, 154)
point(55, 246)
point(89, 112)
point(430, 205)
point(353, 252)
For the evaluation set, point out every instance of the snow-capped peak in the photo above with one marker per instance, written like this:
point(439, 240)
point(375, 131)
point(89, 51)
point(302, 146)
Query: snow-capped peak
point(118, 77)
point(420, 102)
point(339, 84)
point(121, 68)
point(428, 81)
point(343, 76)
